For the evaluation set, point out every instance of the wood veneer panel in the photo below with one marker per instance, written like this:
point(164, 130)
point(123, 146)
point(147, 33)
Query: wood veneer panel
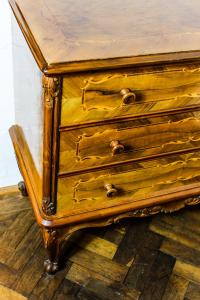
point(89, 147)
point(87, 35)
point(134, 182)
point(93, 97)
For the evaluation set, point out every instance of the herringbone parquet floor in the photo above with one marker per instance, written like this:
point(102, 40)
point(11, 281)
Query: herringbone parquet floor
point(153, 258)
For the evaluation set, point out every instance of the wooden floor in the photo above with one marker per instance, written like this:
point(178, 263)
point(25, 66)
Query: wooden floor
point(152, 258)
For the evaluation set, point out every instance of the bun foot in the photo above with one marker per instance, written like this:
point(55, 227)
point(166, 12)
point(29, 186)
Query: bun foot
point(51, 267)
point(22, 188)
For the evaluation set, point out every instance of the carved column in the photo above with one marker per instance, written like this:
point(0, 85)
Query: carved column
point(51, 96)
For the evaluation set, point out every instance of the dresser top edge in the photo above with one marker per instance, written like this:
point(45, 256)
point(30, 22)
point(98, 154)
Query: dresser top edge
point(49, 66)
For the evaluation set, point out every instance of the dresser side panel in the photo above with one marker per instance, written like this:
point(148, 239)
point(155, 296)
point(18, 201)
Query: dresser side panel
point(28, 96)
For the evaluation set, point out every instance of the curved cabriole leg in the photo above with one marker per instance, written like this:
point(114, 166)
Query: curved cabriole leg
point(22, 188)
point(53, 243)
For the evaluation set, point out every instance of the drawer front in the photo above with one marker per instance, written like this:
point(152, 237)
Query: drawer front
point(97, 146)
point(127, 184)
point(101, 96)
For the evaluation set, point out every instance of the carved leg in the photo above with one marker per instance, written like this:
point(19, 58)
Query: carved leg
point(22, 188)
point(53, 243)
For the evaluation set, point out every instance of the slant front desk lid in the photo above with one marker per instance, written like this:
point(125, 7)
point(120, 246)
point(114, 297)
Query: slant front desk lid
point(75, 35)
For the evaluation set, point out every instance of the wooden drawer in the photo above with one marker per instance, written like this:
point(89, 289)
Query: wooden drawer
point(91, 147)
point(96, 96)
point(133, 182)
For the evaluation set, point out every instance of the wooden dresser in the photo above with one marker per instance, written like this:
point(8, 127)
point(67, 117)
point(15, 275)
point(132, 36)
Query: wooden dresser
point(107, 111)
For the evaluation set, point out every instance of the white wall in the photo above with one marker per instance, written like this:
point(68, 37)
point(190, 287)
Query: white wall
point(9, 173)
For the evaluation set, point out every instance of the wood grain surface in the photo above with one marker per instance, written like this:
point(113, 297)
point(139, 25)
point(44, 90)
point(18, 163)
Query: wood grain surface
point(68, 148)
point(93, 97)
point(87, 35)
point(90, 147)
point(33, 185)
point(134, 182)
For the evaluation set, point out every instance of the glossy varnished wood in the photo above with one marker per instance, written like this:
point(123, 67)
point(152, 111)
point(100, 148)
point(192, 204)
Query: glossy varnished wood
point(134, 182)
point(96, 96)
point(51, 108)
point(113, 143)
point(90, 147)
point(76, 33)
point(71, 218)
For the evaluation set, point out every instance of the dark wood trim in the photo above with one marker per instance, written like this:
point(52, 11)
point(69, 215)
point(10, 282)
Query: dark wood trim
point(42, 64)
point(56, 139)
point(22, 189)
point(54, 240)
point(51, 95)
point(158, 114)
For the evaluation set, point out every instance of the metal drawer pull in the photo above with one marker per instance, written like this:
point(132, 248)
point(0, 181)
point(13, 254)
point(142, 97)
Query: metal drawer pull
point(117, 148)
point(110, 190)
point(127, 96)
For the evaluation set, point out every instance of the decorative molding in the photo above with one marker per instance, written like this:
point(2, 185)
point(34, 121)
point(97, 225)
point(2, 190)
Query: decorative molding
point(55, 238)
point(50, 236)
point(166, 208)
point(51, 97)
point(138, 213)
point(48, 206)
point(51, 86)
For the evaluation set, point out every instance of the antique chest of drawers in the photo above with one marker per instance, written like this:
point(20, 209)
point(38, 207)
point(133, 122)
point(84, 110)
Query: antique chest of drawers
point(107, 111)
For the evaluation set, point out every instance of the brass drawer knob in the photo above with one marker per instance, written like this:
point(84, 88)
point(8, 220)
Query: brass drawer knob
point(117, 148)
point(127, 96)
point(111, 190)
